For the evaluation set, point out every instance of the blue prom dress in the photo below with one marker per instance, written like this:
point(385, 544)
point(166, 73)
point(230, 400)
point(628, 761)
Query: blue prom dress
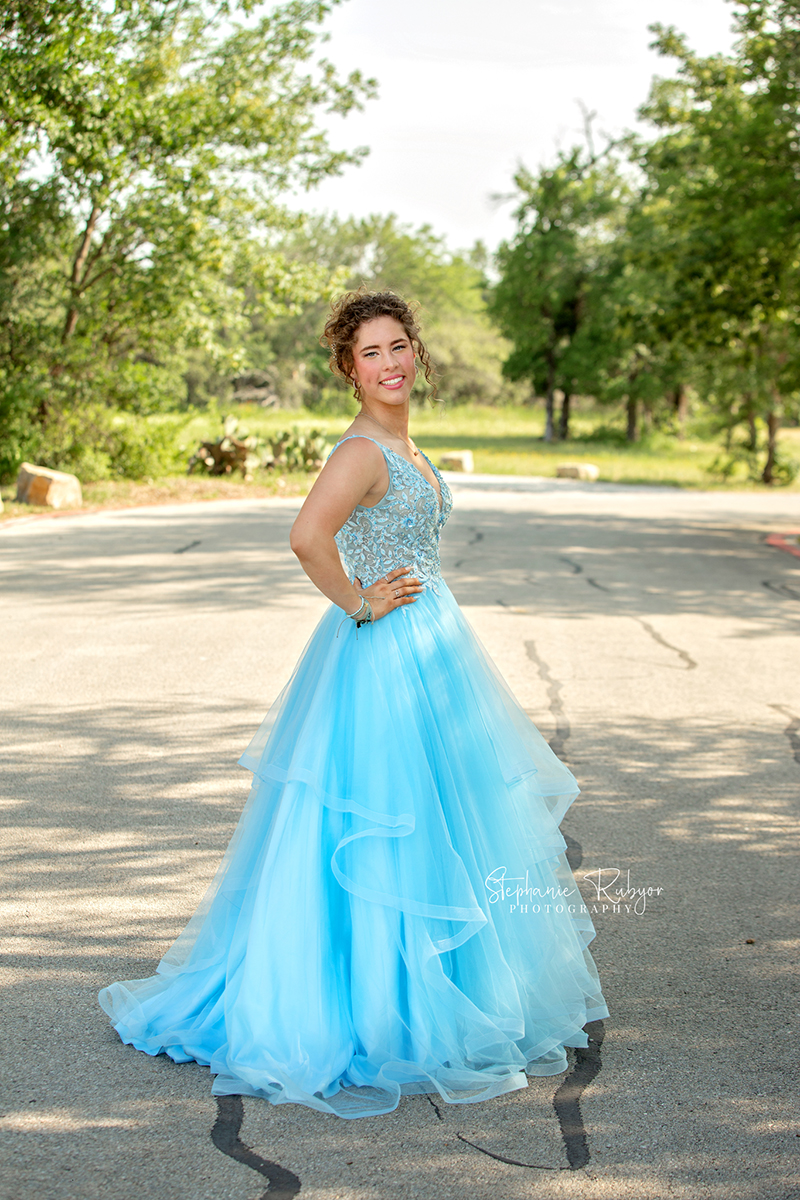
point(394, 913)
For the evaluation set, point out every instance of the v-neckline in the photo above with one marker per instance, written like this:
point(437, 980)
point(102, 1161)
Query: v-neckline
point(437, 491)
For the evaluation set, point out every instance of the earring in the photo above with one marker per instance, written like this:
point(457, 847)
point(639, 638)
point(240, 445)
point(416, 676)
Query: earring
point(356, 388)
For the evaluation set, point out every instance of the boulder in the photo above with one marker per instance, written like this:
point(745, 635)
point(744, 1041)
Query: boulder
point(40, 485)
point(458, 460)
point(577, 471)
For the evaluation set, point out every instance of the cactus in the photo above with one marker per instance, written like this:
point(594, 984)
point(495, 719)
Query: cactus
point(288, 450)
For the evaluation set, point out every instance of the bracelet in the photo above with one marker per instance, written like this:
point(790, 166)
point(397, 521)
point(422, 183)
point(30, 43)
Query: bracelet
point(363, 614)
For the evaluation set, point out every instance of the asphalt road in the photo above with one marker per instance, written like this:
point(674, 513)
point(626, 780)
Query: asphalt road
point(652, 636)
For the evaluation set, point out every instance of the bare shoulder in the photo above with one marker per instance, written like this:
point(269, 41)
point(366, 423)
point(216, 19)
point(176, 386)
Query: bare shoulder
point(353, 448)
point(357, 459)
point(355, 472)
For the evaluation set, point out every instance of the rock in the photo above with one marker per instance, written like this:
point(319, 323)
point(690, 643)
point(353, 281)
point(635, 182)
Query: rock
point(40, 485)
point(458, 460)
point(577, 471)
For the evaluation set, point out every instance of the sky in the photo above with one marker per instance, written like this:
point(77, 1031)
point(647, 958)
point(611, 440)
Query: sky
point(467, 89)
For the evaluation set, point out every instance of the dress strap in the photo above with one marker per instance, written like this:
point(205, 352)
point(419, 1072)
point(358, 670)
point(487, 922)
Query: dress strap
point(364, 437)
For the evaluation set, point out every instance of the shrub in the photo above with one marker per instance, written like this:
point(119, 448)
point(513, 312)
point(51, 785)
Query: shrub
point(95, 442)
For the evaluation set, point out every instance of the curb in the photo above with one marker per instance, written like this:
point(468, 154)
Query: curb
point(13, 522)
point(779, 541)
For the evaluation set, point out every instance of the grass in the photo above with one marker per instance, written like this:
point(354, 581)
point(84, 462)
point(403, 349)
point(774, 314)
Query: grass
point(507, 441)
point(504, 441)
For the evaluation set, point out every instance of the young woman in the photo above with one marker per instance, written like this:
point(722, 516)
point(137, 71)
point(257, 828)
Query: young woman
point(394, 913)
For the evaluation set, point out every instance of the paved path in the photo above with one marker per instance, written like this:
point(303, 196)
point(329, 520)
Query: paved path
point(650, 633)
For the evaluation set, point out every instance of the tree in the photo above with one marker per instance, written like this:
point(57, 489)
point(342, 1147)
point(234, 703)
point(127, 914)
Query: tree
point(143, 152)
point(566, 220)
point(633, 345)
point(725, 169)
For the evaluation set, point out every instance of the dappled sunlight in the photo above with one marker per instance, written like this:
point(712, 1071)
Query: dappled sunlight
point(697, 785)
point(103, 842)
point(138, 558)
point(62, 1122)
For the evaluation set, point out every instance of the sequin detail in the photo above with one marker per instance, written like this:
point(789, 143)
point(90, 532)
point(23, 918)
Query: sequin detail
point(401, 530)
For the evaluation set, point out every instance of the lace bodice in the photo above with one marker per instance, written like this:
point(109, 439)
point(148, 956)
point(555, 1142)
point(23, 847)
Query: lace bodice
point(401, 530)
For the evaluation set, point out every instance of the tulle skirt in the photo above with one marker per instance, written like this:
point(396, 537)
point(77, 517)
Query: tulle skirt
point(394, 913)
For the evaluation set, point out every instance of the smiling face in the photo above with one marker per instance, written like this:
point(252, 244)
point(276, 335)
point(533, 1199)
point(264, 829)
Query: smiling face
point(383, 362)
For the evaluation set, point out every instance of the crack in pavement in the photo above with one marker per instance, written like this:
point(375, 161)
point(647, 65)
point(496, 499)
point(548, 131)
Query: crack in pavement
point(577, 569)
point(283, 1184)
point(780, 589)
point(514, 1162)
point(559, 739)
point(792, 730)
point(567, 1100)
point(662, 641)
point(574, 853)
point(587, 1062)
point(477, 536)
point(567, 1105)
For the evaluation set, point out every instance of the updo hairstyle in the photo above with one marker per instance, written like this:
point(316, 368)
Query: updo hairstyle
point(350, 312)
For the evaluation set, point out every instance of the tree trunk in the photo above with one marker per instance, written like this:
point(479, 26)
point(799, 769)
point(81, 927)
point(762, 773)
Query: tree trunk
point(549, 399)
point(549, 429)
point(773, 425)
point(563, 423)
point(633, 418)
point(752, 436)
point(77, 272)
point(681, 403)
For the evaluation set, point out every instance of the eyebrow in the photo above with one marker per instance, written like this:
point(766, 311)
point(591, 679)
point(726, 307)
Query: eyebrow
point(376, 347)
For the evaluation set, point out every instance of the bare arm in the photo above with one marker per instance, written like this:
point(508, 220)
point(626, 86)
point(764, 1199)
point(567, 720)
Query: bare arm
point(356, 472)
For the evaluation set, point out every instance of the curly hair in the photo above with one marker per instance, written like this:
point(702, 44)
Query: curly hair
point(350, 312)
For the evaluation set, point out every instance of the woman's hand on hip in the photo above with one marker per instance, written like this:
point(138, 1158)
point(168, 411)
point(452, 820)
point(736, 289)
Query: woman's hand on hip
point(391, 591)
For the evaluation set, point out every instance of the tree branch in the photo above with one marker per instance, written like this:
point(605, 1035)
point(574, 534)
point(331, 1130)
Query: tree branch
point(87, 283)
point(77, 270)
